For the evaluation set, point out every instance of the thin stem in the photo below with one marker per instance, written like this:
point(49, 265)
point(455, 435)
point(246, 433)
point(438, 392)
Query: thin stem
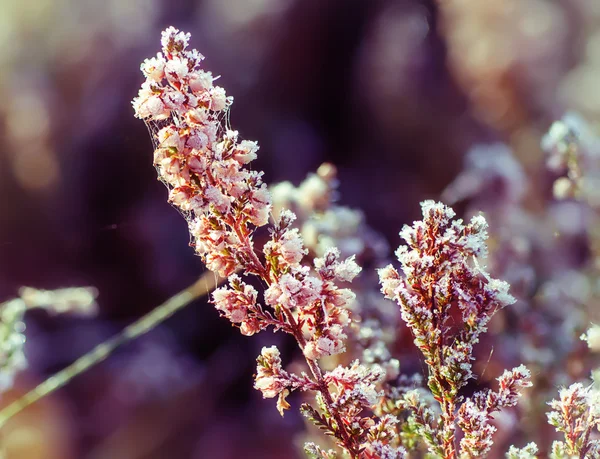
point(144, 324)
point(323, 389)
point(345, 437)
point(586, 437)
point(448, 409)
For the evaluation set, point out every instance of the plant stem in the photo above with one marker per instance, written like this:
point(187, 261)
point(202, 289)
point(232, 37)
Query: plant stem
point(315, 369)
point(144, 324)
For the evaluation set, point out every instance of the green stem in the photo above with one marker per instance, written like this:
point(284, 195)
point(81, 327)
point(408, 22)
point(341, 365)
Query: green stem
point(144, 324)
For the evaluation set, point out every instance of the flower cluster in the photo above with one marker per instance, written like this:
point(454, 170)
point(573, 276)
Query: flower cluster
point(199, 159)
point(441, 272)
point(475, 413)
point(354, 391)
point(205, 167)
point(573, 149)
point(324, 224)
point(445, 295)
point(529, 451)
point(576, 414)
point(273, 381)
point(592, 338)
point(442, 281)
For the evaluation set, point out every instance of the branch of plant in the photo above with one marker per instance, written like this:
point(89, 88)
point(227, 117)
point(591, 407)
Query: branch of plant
point(204, 285)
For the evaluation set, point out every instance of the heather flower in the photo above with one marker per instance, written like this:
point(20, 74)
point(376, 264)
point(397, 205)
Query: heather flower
point(206, 168)
point(316, 452)
point(573, 148)
point(576, 414)
point(201, 160)
point(286, 248)
point(592, 338)
point(269, 379)
point(356, 383)
point(475, 413)
point(234, 303)
point(528, 452)
point(329, 267)
point(378, 450)
point(296, 290)
point(441, 276)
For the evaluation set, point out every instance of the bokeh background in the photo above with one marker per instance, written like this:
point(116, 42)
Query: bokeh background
point(393, 92)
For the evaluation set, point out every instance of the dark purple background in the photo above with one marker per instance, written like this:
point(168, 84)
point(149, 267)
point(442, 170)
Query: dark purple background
point(376, 87)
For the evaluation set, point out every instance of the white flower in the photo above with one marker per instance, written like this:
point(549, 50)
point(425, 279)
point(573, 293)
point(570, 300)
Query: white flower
point(154, 68)
point(201, 81)
point(172, 37)
point(177, 68)
point(323, 347)
point(592, 337)
point(219, 99)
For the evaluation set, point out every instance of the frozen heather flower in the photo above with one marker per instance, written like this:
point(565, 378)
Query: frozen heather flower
point(441, 280)
point(176, 68)
point(149, 103)
point(592, 337)
point(174, 41)
point(245, 152)
point(235, 302)
point(576, 414)
point(268, 375)
point(475, 413)
point(218, 99)
point(356, 382)
point(390, 281)
point(316, 452)
point(286, 244)
point(198, 157)
point(154, 68)
point(324, 346)
point(347, 270)
point(273, 381)
point(330, 267)
point(529, 451)
point(293, 291)
point(380, 450)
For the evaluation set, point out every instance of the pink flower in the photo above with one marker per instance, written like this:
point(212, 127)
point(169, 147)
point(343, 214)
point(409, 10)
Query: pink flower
point(269, 377)
point(324, 347)
point(154, 68)
point(294, 291)
point(235, 302)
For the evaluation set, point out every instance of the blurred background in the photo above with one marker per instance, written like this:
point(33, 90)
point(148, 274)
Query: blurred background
point(393, 92)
